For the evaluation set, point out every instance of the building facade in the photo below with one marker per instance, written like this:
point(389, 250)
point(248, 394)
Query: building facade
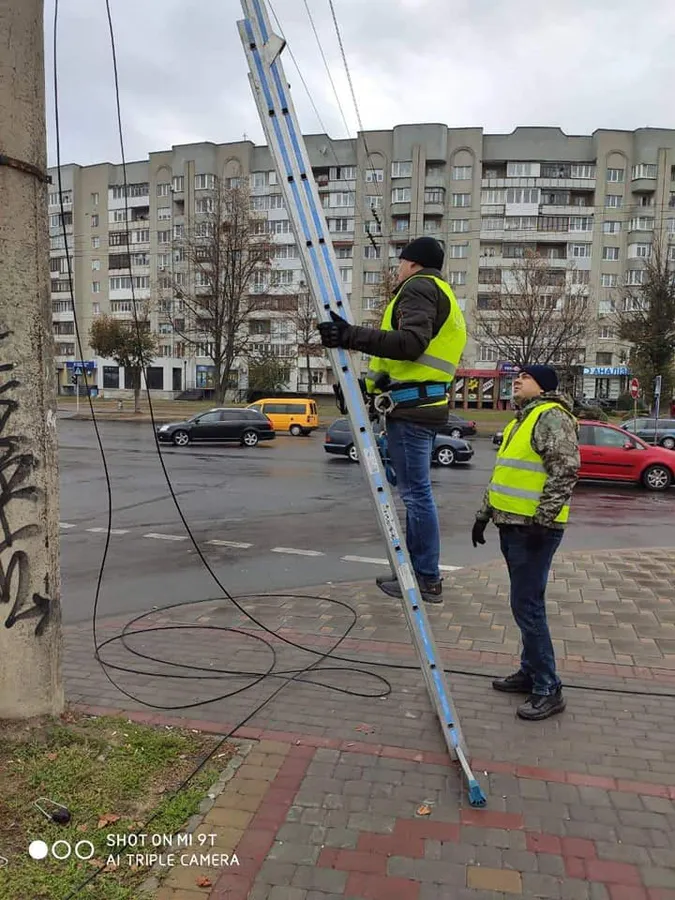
point(597, 201)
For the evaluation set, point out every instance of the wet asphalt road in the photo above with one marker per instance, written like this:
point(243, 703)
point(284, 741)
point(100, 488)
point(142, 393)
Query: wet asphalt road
point(288, 495)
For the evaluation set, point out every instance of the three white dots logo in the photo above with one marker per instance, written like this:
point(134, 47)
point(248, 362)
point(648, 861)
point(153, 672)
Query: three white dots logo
point(61, 850)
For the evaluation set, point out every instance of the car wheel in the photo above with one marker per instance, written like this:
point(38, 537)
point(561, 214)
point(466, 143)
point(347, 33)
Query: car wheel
point(249, 438)
point(181, 438)
point(668, 443)
point(353, 453)
point(657, 478)
point(295, 430)
point(456, 433)
point(445, 456)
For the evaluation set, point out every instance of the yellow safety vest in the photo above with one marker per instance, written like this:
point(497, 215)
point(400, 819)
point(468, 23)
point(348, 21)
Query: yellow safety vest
point(439, 361)
point(519, 476)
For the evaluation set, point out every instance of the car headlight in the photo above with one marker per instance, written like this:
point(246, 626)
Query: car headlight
point(164, 428)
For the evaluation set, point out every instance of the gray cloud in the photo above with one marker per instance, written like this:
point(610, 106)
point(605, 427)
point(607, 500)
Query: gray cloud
point(582, 65)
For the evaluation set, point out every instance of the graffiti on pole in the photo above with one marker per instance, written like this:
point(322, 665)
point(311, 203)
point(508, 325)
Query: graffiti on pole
point(16, 468)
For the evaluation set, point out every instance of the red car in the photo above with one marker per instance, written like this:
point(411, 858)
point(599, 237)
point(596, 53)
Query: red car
point(610, 454)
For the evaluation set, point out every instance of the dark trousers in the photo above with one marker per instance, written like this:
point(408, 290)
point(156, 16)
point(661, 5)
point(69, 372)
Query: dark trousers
point(528, 558)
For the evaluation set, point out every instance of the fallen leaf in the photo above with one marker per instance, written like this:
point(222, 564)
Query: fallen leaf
point(107, 819)
point(52, 756)
point(202, 881)
point(365, 729)
point(423, 810)
point(82, 827)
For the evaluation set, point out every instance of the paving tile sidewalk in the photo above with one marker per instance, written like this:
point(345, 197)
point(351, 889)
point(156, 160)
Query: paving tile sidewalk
point(328, 803)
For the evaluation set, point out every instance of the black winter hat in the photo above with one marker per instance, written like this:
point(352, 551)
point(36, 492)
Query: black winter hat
point(545, 376)
point(426, 251)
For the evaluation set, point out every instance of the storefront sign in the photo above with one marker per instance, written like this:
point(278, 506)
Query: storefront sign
point(606, 371)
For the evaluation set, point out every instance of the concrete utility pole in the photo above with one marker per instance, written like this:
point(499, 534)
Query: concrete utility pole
point(30, 612)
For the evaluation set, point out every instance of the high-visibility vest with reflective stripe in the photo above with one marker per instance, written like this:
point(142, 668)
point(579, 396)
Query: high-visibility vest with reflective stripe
point(439, 361)
point(519, 476)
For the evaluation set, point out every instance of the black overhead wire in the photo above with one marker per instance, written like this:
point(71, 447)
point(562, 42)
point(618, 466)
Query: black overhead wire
point(195, 672)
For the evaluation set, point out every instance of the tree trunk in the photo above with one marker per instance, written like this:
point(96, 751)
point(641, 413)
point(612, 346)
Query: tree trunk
point(309, 378)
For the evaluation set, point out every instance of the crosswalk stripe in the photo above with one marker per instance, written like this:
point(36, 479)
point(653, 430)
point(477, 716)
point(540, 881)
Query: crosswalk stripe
point(105, 530)
point(236, 545)
point(292, 550)
point(166, 537)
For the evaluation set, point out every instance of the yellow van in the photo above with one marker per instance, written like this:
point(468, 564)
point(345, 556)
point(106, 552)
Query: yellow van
point(297, 415)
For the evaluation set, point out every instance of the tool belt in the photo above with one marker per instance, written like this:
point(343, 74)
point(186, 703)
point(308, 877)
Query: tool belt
point(409, 395)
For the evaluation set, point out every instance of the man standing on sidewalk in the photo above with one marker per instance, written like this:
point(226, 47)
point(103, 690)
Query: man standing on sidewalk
point(413, 358)
point(528, 499)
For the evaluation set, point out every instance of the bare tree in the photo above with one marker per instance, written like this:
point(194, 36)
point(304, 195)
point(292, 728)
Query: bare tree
point(645, 318)
point(130, 344)
point(225, 249)
point(535, 317)
point(304, 322)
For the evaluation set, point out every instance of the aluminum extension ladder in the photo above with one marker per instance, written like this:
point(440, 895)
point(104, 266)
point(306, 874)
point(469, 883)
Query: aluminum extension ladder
point(277, 114)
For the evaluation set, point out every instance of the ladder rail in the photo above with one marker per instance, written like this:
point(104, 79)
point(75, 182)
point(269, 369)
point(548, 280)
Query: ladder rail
point(296, 181)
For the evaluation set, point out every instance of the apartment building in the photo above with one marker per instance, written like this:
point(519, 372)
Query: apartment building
point(596, 201)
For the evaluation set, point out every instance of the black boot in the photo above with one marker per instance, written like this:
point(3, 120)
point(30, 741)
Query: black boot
point(538, 707)
point(432, 592)
point(518, 683)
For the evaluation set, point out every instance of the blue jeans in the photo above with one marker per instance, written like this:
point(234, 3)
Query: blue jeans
point(410, 447)
point(528, 559)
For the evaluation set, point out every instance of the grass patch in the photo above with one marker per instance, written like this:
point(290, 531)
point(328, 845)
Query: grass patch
point(112, 775)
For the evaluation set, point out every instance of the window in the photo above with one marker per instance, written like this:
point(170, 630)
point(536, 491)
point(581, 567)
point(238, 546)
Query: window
point(163, 189)
point(140, 259)
point(608, 437)
point(671, 253)
point(581, 276)
point(522, 223)
point(613, 201)
point(285, 251)
point(95, 243)
point(372, 277)
point(492, 223)
point(432, 225)
point(434, 195)
point(457, 278)
point(283, 226)
point(605, 333)
point(462, 173)
point(163, 237)
point(342, 198)
point(460, 226)
point(615, 175)
point(118, 239)
point(644, 170)
point(96, 287)
point(553, 223)
point(272, 178)
point(342, 173)
point(461, 200)
point(163, 260)
point(344, 225)
point(582, 170)
point(179, 231)
point(611, 227)
point(458, 251)
point(401, 169)
point(400, 195)
point(374, 175)
point(610, 253)
point(205, 205)
point(522, 195)
point(94, 221)
point(635, 276)
point(401, 223)
point(605, 307)
point(276, 201)
point(343, 252)
point(603, 359)
point(370, 252)
point(178, 183)
point(143, 236)
point(581, 223)
point(94, 198)
point(609, 280)
point(95, 265)
point(641, 223)
point(205, 182)
point(670, 226)
point(639, 251)
point(163, 212)
point(236, 182)
point(259, 204)
point(374, 201)
point(521, 169)
point(280, 277)
point(487, 354)
point(581, 251)
point(259, 179)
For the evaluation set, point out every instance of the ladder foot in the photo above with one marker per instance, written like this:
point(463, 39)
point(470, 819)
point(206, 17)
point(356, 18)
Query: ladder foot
point(476, 796)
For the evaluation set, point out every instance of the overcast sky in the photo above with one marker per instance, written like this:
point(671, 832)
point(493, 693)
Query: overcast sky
point(495, 64)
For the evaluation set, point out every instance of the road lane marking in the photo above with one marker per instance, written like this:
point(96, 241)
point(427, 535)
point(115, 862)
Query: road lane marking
point(236, 545)
point(449, 568)
point(166, 537)
point(105, 530)
point(297, 552)
point(365, 559)
point(66, 525)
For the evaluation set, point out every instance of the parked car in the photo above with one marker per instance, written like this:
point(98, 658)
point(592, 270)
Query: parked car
point(646, 430)
point(244, 426)
point(297, 415)
point(457, 427)
point(447, 451)
point(608, 453)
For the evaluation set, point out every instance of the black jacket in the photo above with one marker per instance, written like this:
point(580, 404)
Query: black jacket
point(418, 316)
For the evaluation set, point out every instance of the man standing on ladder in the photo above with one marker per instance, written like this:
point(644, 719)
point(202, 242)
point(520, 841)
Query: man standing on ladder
point(414, 357)
point(528, 499)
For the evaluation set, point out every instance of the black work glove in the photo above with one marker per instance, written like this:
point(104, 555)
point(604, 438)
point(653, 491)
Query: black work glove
point(478, 532)
point(334, 333)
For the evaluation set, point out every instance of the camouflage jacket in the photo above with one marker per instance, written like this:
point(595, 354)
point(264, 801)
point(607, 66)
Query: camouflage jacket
point(555, 439)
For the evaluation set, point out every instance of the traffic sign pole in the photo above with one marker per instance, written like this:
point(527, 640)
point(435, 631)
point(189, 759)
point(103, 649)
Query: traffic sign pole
point(634, 392)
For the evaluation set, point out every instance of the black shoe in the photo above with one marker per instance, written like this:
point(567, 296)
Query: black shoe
point(518, 683)
point(538, 707)
point(431, 591)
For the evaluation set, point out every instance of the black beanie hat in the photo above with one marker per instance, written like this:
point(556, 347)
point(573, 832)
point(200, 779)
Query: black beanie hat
point(545, 376)
point(426, 251)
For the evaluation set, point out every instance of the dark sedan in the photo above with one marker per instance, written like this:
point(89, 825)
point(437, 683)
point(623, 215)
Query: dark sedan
point(242, 426)
point(447, 451)
point(457, 427)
